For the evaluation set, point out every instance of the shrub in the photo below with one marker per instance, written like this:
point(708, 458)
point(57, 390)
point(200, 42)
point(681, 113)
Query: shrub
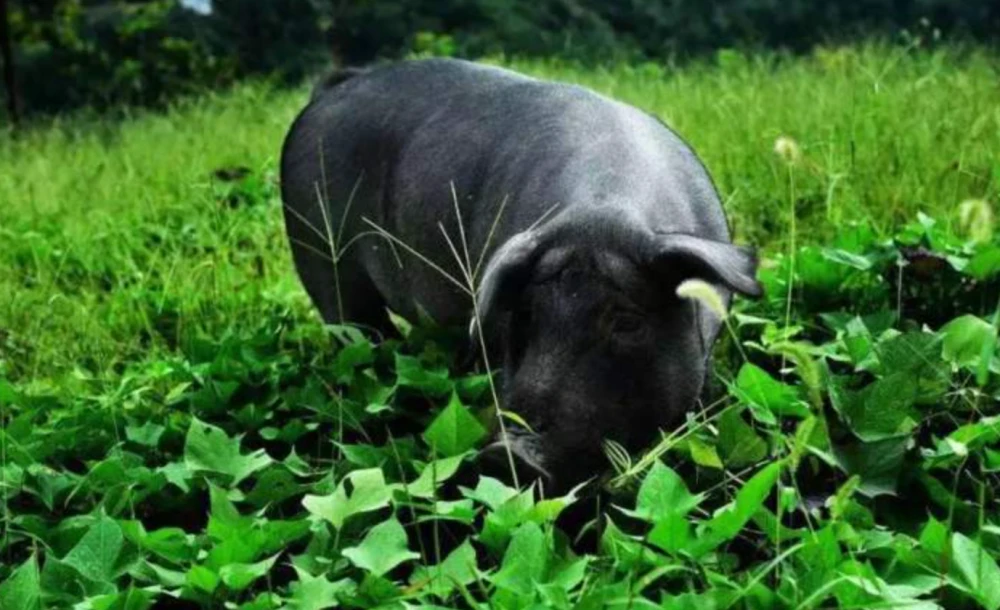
point(73, 53)
point(106, 53)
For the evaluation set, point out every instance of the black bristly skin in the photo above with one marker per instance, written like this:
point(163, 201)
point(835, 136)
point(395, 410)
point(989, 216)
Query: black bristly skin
point(605, 212)
point(587, 360)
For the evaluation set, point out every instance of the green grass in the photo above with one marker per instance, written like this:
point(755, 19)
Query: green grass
point(883, 133)
point(160, 363)
point(113, 231)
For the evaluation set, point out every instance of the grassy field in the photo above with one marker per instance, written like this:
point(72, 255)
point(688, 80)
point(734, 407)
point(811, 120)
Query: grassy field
point(177, 428)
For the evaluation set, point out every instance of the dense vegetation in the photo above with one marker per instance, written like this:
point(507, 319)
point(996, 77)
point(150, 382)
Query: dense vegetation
point(178, 428)
point(594, 29)
point(73, 53)
point(103, 53)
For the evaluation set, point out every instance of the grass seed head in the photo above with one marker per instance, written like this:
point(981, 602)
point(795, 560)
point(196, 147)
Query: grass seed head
point(976, 219)
point(788, 150)
point(704, 292)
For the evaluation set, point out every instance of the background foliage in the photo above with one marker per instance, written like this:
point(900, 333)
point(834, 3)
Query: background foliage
point(103, 53)
point(73, 53)
point(650, 28)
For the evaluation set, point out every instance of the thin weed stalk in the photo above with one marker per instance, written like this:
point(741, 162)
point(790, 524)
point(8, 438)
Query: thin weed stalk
point(467, 285)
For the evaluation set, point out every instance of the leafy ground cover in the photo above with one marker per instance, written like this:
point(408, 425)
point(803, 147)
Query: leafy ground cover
point(177, 429)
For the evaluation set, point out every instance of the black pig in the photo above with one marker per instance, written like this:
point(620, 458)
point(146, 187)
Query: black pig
point(604, 212)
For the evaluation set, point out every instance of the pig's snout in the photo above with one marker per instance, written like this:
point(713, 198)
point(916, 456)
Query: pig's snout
point(518, 450)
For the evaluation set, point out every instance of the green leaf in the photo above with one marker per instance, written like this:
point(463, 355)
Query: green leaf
point(881, 410)
point(490, 492)
point(176, 393)
point(8, 395)
point(349, 358)
point(61, 579)
point(177, 474)
point(849, 259)
point(704, 454)
point(738, 443)
point(202, 579)
point(225, 521)
point(502, 521)
point(514, 417)
point(663, 494)
point(977, 569)
point(547, 510)
point(462, 511)
point(473, 387)
point(457, 570)
point(172, 579)
point(239, 576)
point(873, 590)
point(96, 554)
point(433, 475)
point(934, 536)
point(378, 591)
point(411, 373)
point(570, 573)
point(758, 389)
point(971, 437)
point(672, 534)
point(244, 538)
point(728, 522)
point(878, 463)
point(173, 544)
point(346, 334)
point(147, 434)
point(264, 601)
point(316, 592)
point(370, 492)
point(709, 600)
point(402, 324)
point(454, 430)
point(208, 448)
point(965, 339)
point(273, 486)
point(382, 549)
point(22, 591)
point(130, 599)
point(985, 263)
point(365, 456)
point(860, 344)
point(626, 551)
point(918, 356)
point(525, 562)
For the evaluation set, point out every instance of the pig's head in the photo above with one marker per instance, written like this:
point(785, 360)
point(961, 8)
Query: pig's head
point(594, 342)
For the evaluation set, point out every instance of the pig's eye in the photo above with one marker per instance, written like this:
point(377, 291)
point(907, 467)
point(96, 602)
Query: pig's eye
point(519, 331)
point(627, 323)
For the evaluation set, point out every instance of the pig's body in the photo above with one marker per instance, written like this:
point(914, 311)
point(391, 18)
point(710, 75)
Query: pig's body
point(398, 144)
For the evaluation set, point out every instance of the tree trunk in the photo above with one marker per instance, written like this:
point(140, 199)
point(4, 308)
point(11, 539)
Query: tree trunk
point(7, 56)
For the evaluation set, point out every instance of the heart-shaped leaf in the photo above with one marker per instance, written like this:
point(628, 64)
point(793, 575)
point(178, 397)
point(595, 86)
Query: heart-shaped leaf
point(383, 548)
point(208, 448)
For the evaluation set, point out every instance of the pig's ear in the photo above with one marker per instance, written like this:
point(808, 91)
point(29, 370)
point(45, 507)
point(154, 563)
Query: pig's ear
point(509, 269)
point(685, 257)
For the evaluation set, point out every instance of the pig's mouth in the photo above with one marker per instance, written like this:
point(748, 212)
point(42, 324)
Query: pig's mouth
point(519, 449)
